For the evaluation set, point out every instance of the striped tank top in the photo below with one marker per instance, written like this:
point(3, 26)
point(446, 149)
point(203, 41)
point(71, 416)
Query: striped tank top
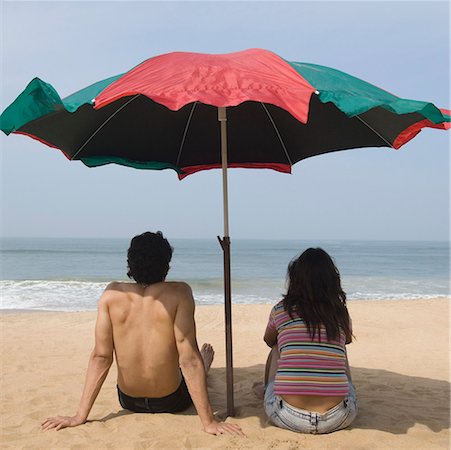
point(307, 367)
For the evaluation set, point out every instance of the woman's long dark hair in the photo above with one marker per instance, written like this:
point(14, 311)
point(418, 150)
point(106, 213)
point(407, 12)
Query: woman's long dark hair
point(314, 294)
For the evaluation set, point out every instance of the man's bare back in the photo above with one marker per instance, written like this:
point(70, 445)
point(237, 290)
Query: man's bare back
point(144, 340)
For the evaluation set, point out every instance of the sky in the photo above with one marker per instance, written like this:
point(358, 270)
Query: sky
point(362, 194)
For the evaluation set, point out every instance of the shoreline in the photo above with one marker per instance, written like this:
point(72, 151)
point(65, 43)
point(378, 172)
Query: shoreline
point(9, 311)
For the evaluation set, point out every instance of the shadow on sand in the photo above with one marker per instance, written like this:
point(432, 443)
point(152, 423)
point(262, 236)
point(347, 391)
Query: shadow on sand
point(388, 401)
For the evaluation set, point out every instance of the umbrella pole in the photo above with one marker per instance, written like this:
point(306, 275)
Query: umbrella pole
point(225, 244)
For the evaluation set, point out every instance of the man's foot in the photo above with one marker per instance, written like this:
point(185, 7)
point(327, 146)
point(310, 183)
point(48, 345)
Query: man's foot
point(207, 354)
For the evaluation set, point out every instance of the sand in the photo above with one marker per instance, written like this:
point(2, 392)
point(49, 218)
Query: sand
point(399, 362)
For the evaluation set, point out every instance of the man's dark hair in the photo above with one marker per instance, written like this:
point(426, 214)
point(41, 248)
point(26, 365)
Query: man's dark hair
point(148, 258)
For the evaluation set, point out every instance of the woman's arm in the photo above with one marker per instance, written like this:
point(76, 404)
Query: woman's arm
point(270, 336)
point(348, 369)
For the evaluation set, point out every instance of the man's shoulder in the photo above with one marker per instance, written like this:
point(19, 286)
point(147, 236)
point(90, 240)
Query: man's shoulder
point(115, 289)
point(178, 289)
point(118, 286)
point(178, 292)
point(178, 286)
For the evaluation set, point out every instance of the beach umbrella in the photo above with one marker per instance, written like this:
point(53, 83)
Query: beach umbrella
point(191, 112)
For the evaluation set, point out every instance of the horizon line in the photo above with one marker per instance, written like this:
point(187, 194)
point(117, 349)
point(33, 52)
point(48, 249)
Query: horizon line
point(448, 240)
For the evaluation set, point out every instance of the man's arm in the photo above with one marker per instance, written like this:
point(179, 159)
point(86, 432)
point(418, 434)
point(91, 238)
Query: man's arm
point(192, 365)
point(99, 364)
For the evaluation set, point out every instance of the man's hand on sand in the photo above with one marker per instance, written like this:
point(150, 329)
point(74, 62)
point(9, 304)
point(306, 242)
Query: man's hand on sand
point(60, 422)
point(218, 428)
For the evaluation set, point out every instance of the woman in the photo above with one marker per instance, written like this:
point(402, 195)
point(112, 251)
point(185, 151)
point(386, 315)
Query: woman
point(308, 381)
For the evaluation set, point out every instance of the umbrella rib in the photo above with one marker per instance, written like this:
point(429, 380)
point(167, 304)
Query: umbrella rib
point(278, 134)
point(374, 131)
point(103, 124)
point(185, 132)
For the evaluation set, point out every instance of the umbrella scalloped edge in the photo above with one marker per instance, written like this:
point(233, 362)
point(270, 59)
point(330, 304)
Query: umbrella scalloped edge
point(410, 132)
point(284, 168)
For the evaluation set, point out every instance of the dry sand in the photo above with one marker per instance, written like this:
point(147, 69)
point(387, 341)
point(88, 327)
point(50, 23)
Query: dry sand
point(399, 361)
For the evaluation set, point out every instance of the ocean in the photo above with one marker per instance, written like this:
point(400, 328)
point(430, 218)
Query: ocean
point(70, 274)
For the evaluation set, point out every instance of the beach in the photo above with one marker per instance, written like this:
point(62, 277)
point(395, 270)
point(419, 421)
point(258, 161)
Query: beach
point(399, 362)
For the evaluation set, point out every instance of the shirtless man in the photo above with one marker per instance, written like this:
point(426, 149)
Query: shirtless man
point(149, 325)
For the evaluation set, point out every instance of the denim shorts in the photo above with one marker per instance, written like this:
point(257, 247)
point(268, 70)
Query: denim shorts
point(286, 416)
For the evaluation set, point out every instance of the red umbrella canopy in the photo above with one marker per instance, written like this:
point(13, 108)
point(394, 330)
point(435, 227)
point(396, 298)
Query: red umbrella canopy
point(163, 113)
point(177, 79)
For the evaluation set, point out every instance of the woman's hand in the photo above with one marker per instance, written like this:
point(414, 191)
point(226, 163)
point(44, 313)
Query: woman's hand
point(60, 422)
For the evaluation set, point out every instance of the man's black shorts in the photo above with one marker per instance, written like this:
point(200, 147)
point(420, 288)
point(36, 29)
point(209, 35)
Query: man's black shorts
point(175, 402)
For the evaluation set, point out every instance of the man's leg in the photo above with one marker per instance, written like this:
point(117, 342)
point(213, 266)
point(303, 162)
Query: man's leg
point(207, 354)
